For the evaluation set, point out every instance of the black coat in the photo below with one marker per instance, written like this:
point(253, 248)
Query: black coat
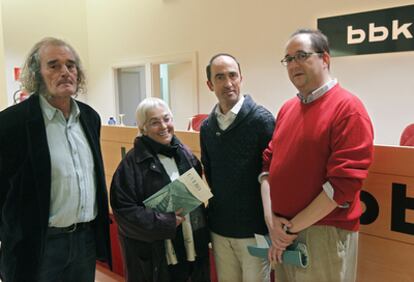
point(25, 185)
point(142, 231)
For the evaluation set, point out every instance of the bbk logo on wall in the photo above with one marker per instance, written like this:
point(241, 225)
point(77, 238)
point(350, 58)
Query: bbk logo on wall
point(380, 31)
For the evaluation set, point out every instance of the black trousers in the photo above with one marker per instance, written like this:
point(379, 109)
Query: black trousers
point(69, 256)
point(145, 262)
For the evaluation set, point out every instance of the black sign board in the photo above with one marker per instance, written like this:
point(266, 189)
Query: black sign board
point(380, 31)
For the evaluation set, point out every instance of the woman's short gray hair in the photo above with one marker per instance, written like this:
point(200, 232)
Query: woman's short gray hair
point(146, 105)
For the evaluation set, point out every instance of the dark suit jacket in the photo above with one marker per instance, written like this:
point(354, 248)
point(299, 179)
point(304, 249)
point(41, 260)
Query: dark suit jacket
point(25, 179)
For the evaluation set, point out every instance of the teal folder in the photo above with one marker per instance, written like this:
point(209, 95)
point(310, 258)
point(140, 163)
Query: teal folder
point(295, 254)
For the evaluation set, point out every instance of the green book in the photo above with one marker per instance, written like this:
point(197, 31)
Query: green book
point(187, 192)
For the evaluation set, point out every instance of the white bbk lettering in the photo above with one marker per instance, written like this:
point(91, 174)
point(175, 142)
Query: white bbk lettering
point(378, 33)
point(396, 30)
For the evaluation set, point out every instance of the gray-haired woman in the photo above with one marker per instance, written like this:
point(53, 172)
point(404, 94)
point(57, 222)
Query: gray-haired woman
point(153, 243)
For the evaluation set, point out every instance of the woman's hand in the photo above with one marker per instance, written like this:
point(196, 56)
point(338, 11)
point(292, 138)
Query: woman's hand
point(178, 217)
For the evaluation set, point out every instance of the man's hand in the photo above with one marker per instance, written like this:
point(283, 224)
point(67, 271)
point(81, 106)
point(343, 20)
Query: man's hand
point(275, 224)
point(280, 239)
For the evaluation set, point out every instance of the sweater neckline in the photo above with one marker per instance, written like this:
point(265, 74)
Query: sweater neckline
point(248, 106)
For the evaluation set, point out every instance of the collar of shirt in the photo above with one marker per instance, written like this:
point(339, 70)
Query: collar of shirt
point(224, 120)
point(318, 92)
point(50, 112)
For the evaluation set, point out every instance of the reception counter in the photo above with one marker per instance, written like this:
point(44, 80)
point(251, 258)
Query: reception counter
point(386, 244)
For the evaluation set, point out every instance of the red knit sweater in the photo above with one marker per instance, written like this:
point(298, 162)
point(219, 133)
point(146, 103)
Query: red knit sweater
point(330, 139)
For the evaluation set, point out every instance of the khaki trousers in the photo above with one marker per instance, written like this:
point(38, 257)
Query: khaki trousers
point(332, 256)
point(235, 264)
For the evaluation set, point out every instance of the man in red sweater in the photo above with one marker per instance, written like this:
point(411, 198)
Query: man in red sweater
point(314, 167)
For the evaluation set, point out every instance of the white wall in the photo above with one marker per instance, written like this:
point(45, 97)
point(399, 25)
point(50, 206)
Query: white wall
point(25, 22)
point(115, 32)
point(255, 32)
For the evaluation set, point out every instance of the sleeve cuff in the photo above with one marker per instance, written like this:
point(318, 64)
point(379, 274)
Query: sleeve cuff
point(329, 190)
point(260, 177)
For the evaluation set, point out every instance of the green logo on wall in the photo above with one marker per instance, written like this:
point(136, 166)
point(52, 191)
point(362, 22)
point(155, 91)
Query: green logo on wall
point(380, 31)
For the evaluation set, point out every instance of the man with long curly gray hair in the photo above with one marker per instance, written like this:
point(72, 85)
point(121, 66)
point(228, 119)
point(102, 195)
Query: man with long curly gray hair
point(30, 76)
point(54, 220)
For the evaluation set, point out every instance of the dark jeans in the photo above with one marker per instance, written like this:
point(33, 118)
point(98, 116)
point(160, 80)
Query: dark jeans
point(69, 257)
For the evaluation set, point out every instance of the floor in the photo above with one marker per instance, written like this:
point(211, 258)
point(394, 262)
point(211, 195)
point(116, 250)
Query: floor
point(104, 275)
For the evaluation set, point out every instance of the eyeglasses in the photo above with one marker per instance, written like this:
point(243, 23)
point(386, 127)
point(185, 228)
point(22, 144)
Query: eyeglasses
point(299, 57)
point(158, 122)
